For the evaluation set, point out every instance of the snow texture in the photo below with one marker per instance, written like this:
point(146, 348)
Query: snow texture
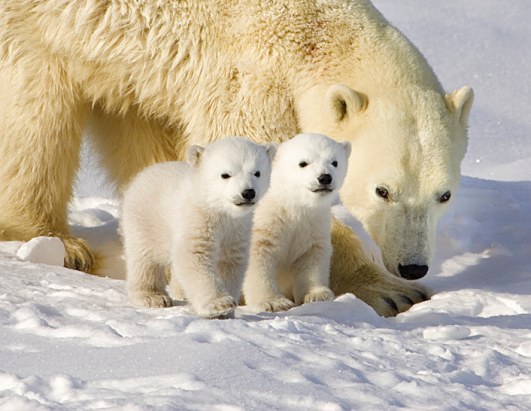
point(71, 341)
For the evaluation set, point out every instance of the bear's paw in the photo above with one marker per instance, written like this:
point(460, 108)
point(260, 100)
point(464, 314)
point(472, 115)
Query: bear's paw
point(220, 308)
point(77, 254)
point(319, 294)
point(393, 295)
point(274, 305)
point(151, 300)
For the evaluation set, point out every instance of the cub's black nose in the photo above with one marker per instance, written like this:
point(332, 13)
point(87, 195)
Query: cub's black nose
point(249, 194)
point(324, 179)
point(412, 271)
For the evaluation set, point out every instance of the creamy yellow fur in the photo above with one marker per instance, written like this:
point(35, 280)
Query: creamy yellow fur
point(153, 77)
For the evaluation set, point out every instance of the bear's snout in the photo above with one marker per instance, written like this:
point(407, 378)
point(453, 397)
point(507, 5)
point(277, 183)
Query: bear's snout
point(412, 271)
point(324, 179)
point(249, 194)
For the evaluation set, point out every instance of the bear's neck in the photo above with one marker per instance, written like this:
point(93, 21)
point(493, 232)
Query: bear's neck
point(218, 217)
point(294, 207)
point(373, 58)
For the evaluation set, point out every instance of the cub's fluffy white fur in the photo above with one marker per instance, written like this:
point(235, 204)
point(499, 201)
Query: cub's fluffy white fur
point(195, 219)
point(291, 243)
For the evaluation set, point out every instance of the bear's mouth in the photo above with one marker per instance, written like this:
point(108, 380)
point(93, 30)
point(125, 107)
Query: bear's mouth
point(245, 204)
point(324, 189)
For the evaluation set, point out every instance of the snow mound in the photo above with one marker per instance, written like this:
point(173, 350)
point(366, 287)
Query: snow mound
point(43, 250)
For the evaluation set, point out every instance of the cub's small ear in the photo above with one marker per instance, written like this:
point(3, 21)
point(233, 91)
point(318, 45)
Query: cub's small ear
point(342, 102)
point(194, 155)
point(348, 147)
point(271, 150)
point(460, 103)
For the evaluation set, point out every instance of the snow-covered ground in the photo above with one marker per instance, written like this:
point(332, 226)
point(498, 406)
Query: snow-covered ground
point(70, 341)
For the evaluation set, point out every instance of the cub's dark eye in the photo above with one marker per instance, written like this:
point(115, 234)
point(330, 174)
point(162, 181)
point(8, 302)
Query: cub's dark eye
point(224, 176)
point(303, 164)
point(257, 174)
point(334, 163)
point(382, 192)
point(445, 197)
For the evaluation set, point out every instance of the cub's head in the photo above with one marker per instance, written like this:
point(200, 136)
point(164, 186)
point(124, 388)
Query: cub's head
point(309, 169)
point(232, 174)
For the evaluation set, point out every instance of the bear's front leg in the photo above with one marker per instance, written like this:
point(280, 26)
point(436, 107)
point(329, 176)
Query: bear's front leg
point(312, 274)
point(175, 289)
point(261, 293)
point(260, 288)
point(232, 265)
point(353, 272)
point(195, 267)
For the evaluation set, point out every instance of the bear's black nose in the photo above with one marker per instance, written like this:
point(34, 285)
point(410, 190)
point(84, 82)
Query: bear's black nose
point(324, 179)
point(412, 271)
point(249, 194)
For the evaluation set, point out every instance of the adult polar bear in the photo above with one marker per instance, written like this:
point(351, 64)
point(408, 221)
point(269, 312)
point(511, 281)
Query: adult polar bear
point(153, 77)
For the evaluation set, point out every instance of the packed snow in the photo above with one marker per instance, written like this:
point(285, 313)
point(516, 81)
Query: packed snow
point(71, 341)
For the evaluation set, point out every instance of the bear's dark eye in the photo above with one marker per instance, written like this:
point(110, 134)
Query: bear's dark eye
point(224, 176)
point(382, 192)
point(303, 164)
point(445, 197)
point(257, 174)
point(334, 163)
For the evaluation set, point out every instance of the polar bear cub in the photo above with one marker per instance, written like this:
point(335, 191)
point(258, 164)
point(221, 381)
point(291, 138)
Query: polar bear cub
point(291, 243)
point(194, 218)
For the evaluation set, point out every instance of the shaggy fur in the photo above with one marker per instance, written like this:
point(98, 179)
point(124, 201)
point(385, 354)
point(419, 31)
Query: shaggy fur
point(154, 77)
point(196, 220)
point(291, 247)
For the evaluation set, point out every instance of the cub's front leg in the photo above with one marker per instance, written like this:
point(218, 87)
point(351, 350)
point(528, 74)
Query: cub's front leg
point(260, 288)
point(196, 270)
point(233, 264)
point(312, 274)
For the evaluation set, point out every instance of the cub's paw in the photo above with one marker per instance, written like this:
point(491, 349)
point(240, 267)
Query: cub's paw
point(220, 308)
point(274, 305)
point(176, 291)
point(319, 294)
point(151, 300)
point(77, 255)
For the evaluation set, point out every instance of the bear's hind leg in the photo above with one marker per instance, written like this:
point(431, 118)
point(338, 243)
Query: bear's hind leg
point(41, 122)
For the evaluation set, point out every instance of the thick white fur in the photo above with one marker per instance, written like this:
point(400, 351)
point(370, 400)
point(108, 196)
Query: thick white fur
point(153, 77)
point(291, 245)
point(189, 218)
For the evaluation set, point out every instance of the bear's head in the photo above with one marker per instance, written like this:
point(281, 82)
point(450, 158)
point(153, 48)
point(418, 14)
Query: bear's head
point(309, 170)
point(408, 145)
point(232, 174)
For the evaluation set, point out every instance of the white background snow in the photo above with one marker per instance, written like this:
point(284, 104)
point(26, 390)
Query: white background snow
point(70, 341)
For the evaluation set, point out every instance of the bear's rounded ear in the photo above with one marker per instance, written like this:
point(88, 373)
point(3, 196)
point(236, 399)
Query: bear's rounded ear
point(348, 147)
point(271, 150)
point(194, 155)
point(342, 102)
point(460, 103)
